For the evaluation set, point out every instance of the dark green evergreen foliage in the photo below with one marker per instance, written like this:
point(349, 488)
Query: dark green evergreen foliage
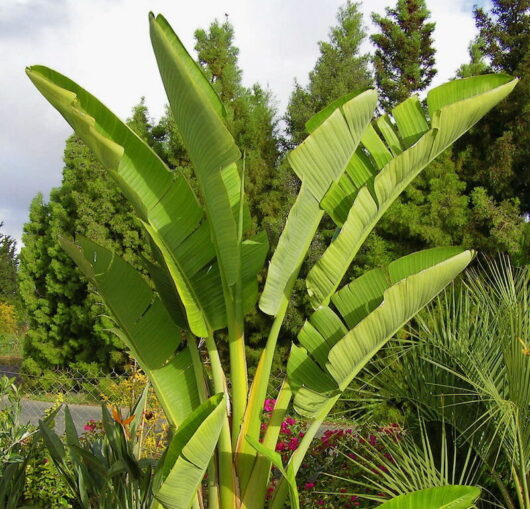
point(68, 323)
point(477, 63)
point(438, 209)
point(404, 57)
point(496, 153)
point(8, 268)
point(340, 68)
point(505, 32)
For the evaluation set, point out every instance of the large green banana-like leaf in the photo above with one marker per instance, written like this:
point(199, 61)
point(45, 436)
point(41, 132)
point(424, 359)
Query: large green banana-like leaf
point(319, 161)
point(198, 113)
point(385, 165)
point(440, 497)
point(190, 451)
point(163, 200)
point(373, 307)
point(145, 326)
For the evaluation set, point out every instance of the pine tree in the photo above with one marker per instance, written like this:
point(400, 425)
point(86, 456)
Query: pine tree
point(496, 153)
point(340, 69)
point(506, 35)
point(8, 268)
point(404, 57)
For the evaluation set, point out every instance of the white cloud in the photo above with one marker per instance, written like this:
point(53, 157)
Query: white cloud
point(104, 46)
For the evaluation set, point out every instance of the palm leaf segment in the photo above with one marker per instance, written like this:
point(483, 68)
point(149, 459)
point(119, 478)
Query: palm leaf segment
point(319, 161)
point(335, 346)
point(354, 170)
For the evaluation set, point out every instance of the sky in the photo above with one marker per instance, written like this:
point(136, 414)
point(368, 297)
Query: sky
point(104, 46)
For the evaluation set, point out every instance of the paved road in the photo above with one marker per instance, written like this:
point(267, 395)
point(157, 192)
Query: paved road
point(32, 411)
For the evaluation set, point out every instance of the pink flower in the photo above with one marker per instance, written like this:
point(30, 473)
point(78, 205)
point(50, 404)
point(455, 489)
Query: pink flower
point(320, 502)
point(284, 429)
point(293, 444)
point(290, 421)
point(87, 427)
point(281, 446)
point(309, 485)
point(269, 405)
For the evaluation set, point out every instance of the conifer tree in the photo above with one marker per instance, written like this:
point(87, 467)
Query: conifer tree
point(8, 268)
point(340, 68)
point(477, 63)
point(496, 153)
point(404, 58)
point(68, 323)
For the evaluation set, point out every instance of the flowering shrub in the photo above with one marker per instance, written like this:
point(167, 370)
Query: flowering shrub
point(336, 458)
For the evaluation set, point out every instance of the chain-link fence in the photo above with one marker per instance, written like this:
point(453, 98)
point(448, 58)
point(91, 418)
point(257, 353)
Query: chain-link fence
point(84, 390)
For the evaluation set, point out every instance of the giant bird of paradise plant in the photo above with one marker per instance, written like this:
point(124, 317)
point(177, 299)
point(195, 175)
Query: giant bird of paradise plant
point(204, 274)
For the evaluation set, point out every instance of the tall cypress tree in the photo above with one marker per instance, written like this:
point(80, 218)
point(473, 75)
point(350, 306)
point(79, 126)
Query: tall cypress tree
point(340, 68)
point(404, 58)
point(67, 321)
point(8, 268)
point(477, 63)
point(496, 153)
